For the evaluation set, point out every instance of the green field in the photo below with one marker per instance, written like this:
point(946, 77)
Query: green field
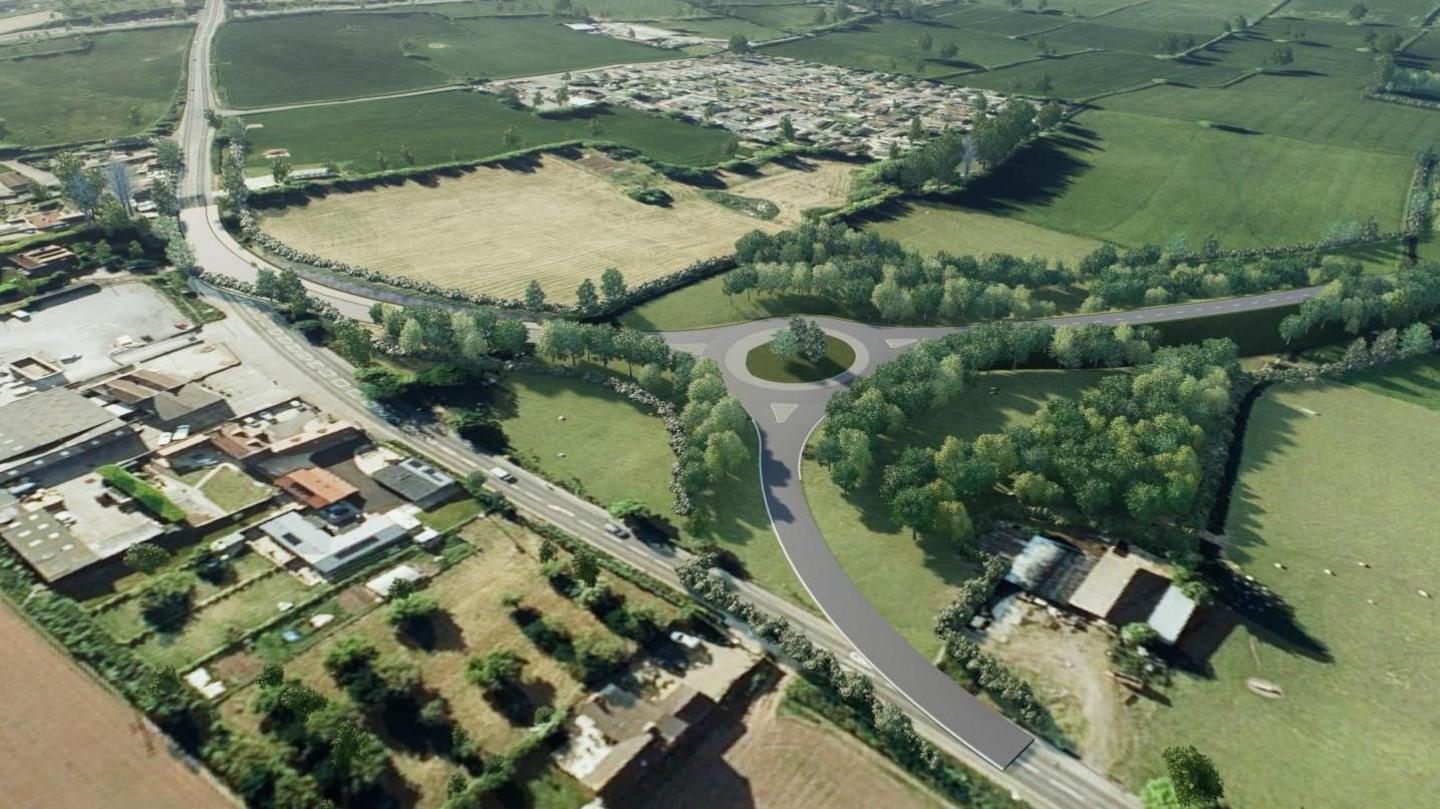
point(1193, 16)
point(1393, 12)
point(705, 304)
point(892, 46)
point(1133, 178)
point(462, 126)
point(909, 581)
point(1416, 381)
point(121, 86)
point(615, 450)
point(312, 57)
point(934, 227)
point(1355, 482)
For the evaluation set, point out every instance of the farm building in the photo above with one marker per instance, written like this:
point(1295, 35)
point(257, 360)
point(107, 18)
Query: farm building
point(621, 734)
point(1127, 587)
point(56, 425)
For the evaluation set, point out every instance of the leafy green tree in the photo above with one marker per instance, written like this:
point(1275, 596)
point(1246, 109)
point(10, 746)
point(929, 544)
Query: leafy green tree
point(1383, 71)
point(612, 285)
point(498, 670)
point(585, 296)
point(787, 129)
point(1417, 340)
point(165, 601)
point(1281, 56)
point(739, 43)
point(534, 296)
point(1197, 782)
point(725, 454)
point(414, 610)
point(926, 42)
point(280, 169)
point(146, 557)
point(949, 50)
point(1359, 12)
point(585, 567)
point(412, 340)
point(509, 337)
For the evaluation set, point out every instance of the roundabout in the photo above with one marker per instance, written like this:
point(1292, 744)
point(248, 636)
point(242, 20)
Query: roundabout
point(745, 356)
point(763, 363)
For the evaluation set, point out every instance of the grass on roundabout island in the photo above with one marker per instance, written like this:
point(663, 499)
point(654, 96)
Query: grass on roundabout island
point(767, 365)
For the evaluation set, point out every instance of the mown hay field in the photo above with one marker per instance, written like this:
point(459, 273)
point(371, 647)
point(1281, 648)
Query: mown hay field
point(121, 86)
point(796, 186)
point(496, 229)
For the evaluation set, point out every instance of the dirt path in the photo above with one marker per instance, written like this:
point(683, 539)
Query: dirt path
point(67, 742)
point(1067, 668)
point(767, 760)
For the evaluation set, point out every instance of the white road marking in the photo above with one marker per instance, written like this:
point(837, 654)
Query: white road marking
point(782, 411)
point(567, 512)
point(900, 342)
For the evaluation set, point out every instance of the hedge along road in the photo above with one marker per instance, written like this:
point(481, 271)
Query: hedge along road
point(784, 416)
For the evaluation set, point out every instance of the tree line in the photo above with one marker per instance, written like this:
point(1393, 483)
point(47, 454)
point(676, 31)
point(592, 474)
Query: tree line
point(951, 156)
point(1140, 277)
point(1358, 301)
point(861, 270)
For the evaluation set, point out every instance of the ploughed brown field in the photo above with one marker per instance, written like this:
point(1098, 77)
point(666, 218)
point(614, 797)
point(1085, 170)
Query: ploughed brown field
point(66, 741)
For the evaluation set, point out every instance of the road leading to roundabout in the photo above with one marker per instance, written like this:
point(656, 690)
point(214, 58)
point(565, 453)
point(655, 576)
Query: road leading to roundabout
point(785, 414)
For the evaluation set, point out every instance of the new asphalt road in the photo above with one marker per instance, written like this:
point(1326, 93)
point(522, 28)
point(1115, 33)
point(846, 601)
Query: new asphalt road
point(784, 416)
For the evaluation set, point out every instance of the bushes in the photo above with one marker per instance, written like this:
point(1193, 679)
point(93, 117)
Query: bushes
point(146, 495)
point(650, 196)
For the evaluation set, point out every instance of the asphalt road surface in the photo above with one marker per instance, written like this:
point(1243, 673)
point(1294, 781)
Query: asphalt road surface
point(784, 416)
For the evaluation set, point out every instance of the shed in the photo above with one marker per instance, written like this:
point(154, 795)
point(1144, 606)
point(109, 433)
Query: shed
point(381, 584)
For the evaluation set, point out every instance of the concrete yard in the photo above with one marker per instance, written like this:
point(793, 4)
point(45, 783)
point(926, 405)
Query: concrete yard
point(94, 326)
